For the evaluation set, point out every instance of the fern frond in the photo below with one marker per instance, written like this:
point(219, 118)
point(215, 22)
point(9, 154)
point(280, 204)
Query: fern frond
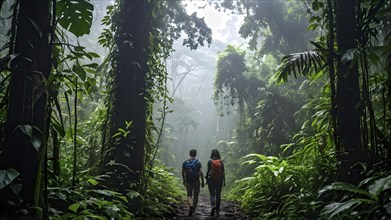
point(303, 63)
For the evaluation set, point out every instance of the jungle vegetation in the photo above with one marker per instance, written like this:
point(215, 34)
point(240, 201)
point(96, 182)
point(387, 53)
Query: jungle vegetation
point(100, 101)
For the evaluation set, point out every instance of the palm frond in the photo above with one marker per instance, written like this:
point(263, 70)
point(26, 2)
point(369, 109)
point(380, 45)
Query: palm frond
point(303, 63)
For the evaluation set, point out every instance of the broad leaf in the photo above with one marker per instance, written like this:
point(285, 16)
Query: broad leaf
point(123, 198)
point(36, 142)
point(75, 16)
point(93, 182)
point(74, 207)
point(380, 185)
point(79, 70)
point(58, 127)
point(132, 194)
point(26, 129)
point(16, 188)
point(347, 187)
point(7, 176)
point(337, 208)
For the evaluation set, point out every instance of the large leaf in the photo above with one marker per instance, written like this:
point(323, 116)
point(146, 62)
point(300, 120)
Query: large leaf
point(75, 16)
point(28, 130)
point(132, 194)
point(7, 176)
point(338, 208)
point(348, 188)
point(74, 207)
point(380, 185)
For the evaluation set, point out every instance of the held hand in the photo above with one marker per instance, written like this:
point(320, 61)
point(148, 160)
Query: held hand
point(202, 184)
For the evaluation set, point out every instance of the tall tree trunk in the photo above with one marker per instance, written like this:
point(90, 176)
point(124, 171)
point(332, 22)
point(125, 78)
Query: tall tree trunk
point(330, 58)
point(348, 109)
point(128, 93)
point(26, 119)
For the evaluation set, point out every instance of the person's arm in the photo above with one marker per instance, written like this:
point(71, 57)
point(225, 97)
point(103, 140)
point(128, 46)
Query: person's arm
point(183, 175)
point(207, 171)
point(208, 167)
point(202, 177)
point(223, 173)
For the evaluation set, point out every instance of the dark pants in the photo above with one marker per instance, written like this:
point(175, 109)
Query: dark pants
point(190, 188)
point(215, 187)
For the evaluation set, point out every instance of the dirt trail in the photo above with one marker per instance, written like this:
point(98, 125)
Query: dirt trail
point(228, 210)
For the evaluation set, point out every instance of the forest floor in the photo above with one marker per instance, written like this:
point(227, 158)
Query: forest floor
point(228, 210)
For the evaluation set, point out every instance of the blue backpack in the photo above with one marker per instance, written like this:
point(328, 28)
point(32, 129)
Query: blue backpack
point(192, 173)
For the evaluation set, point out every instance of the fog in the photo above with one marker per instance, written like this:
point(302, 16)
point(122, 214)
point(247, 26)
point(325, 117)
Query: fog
point(193, 121)
point(196, 122)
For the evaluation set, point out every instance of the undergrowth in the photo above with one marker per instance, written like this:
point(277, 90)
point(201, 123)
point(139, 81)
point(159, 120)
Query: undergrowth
point(278, 189)
point(163, 195)
point(371, 199)
point(90, 200)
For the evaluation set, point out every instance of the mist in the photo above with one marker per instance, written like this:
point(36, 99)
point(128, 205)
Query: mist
point(195, 122)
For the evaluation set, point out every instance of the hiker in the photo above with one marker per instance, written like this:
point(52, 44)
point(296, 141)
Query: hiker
point(215, 179)
point(191, 173)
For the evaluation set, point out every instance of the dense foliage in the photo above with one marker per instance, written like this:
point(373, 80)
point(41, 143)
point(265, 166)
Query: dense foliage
point(71, 181)
point(303, 113)
point(294, 178)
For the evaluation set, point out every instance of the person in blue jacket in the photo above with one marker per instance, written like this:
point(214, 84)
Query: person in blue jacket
point(191, 173)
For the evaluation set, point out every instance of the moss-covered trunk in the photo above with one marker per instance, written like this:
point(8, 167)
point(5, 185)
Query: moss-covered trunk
point(27, 113)
point(129, 93)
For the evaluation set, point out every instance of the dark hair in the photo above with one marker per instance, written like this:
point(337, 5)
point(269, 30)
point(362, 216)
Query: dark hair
point(193, 152)
point(215, 154)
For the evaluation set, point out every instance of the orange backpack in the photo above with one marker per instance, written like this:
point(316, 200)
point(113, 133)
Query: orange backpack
point(216, 172)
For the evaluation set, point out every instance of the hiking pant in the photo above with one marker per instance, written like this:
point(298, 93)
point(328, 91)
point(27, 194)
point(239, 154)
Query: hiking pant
point(190, 188)
point(215, 187)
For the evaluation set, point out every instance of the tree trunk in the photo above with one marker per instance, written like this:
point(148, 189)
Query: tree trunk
point(348, 109)
point(26, 119)
point(128, 93)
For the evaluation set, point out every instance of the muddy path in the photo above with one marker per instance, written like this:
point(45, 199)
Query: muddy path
point(228, 210)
